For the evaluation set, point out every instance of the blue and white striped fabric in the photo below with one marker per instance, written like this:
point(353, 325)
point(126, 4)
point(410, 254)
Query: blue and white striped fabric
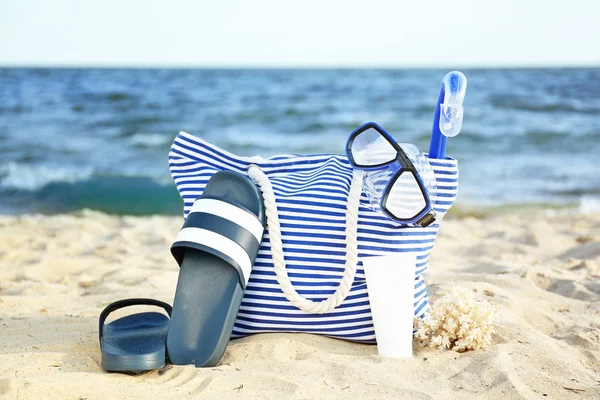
point(311, 193)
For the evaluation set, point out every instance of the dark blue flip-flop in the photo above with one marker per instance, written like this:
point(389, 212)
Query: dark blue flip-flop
point(215, 249)
point(137, 342)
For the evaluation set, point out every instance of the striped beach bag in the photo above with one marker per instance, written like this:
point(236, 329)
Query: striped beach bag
point(308, 274)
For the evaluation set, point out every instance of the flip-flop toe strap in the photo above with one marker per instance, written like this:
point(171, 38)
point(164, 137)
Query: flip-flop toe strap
point(225, 230)
point(126, 303)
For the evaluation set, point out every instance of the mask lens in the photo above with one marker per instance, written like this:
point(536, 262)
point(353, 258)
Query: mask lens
point(370, 148)
point(405, 199)
point(374, 185)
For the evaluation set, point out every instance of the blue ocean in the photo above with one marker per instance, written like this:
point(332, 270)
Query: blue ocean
point(98, 139)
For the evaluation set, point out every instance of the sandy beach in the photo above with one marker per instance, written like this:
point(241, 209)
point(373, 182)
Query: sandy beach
point(540, 270)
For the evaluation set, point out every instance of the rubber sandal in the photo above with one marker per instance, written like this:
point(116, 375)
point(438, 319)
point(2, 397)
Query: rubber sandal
point(136, 342)
point(215, 250)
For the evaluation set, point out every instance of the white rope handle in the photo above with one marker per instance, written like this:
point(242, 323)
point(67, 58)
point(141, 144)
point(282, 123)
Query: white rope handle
point(304, 304)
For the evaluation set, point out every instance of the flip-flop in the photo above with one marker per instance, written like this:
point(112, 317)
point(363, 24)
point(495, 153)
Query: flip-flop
point(136, 342)
point(215, 250)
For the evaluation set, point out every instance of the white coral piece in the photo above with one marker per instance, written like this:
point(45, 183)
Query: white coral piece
point(457, 322)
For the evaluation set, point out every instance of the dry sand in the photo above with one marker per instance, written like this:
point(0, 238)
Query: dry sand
point(541, 271)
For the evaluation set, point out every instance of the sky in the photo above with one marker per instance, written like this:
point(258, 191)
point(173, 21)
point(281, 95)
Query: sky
point(306, 33)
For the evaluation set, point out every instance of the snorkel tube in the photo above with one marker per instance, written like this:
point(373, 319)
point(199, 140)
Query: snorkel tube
point(448, 117)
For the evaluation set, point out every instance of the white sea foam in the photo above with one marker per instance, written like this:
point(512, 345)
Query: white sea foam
point(589, 204)
point(32, 177)
point(150, 139)
point(271, 144)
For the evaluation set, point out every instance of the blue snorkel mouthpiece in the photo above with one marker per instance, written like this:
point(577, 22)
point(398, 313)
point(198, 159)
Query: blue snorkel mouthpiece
point(451, 110)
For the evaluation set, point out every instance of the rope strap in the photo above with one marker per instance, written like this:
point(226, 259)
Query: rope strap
point(304, 304)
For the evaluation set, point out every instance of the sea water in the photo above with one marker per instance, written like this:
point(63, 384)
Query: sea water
point(99, 138)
